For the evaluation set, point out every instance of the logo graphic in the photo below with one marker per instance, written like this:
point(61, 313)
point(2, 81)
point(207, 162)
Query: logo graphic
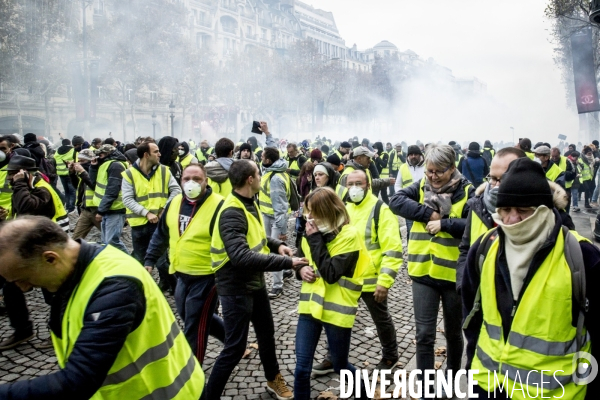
point(589, 99)
point(585, 367)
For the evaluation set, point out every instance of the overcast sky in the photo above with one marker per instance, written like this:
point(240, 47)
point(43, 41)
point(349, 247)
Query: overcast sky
point(505, 44)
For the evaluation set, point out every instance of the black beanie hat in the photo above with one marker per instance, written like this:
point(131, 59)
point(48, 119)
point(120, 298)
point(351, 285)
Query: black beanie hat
point(29, 137)
point(66, 142)
point(524, 185)
point(77, 140)
point(414, 149)
point(334, 160)
point(245, 146)
point(474, 146)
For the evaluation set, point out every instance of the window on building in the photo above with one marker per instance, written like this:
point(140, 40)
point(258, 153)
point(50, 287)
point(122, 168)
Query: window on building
point(248, 30)
point(99, 7)
point(264, 33)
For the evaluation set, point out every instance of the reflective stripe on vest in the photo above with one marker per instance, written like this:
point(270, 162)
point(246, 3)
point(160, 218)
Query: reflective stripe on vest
point(5, 190)
point(542, 336)
point(256, 236)
point(102, 183)
point(434, 255)
point(223, 188)
point(553, 173)
point(151, 194)
point(460, 157)
point(385, 262)
point(60, 214)
point(407, 178)
point(586, 173)
point(156, 361)
point(187, 160)
point(264, 197)
point(88, 194)
point(61, 168)
point(336, 303)
point(190, 253)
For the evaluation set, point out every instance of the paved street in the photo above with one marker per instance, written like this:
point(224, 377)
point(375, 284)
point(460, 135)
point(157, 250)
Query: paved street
point(247, 381)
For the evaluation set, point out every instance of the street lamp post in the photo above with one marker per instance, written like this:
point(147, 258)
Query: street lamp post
point(154, 124)
point(172, 108)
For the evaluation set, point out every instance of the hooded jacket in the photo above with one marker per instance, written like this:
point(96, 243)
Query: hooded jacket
point(37, 153)
point(474, 167)
point(278, 194)
point(113, 187)
point(64, 149)
point(218, 170)
point(166, 146)
point(477, 206)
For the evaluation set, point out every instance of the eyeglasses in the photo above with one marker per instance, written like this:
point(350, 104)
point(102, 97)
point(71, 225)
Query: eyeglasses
point(493, 180)
point(439, 174)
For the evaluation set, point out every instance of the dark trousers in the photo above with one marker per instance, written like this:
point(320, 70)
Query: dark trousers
point(308, 332)
point(426, 302)
point(384, 324)
point(196, 300)
point(140, 239)
point(69, 192)
point(16, 308)
point(238, 312)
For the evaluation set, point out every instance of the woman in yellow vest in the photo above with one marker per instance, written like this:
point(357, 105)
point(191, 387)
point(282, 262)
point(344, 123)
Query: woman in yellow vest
point(438, 207)
point(331, 287)
point(531, 306)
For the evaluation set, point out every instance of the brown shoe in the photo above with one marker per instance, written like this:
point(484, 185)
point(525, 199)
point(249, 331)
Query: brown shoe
point(279, 388)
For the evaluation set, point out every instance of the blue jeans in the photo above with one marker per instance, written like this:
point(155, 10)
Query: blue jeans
point(575, 196)
point(308, 332)
point(238, 312)
point(112, 227)
point(196, 300)
point(69, 192)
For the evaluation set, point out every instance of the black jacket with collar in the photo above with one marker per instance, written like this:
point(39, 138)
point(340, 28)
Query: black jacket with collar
point(244, 272)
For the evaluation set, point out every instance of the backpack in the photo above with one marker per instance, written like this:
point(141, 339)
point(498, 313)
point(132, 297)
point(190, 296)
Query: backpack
point(574, 258)
point(294, 197)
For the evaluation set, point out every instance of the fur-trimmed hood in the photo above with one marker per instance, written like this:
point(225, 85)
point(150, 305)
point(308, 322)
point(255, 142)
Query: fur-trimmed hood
point(559, 195)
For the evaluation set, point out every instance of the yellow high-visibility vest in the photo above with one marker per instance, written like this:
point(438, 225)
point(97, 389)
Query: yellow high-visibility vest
point(541, 335)
point(335, 303)
point(189, 252)
point(152, 194)
point(102, 183)
point(264, 196)
point(61, 167)
point(156, 360)
point(5, 190)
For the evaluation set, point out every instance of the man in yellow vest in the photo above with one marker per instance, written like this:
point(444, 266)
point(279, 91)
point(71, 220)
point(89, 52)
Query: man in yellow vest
point(147, 187)
point(361, 159)
point(186, 156)
point(80, 178)
point(553, 172)
point(395, 160)
point(217, 171)
point(106, 176)
point(186, 230)
point(295, 160)
point(113, 331)
point(381, 233)
point(530, 297)
point(343, 152)
point(483, 205)
point(241, 252)
point(274, 204)
point(64, 155)
point(203, 152)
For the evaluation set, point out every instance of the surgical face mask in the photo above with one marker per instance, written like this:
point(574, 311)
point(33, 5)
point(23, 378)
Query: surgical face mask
point(356, 194)
point(192, 189)
point(181, 152)
point(2, 156)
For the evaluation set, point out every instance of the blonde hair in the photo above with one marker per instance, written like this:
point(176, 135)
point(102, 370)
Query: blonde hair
point(325, 205)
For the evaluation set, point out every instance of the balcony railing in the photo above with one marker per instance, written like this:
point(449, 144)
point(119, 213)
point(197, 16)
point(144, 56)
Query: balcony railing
point(229, 29)
point(205, 22)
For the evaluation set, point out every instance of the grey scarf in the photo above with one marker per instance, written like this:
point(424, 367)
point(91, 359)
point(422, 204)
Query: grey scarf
point(440, 199)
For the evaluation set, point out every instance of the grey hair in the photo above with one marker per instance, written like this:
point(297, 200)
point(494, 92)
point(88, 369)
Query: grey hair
point(440, 155)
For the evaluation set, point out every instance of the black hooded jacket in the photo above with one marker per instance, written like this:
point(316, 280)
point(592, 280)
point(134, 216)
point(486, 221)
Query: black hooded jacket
point(166, 146)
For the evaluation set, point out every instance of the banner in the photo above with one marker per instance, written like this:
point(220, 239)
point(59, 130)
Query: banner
point(586, 89)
